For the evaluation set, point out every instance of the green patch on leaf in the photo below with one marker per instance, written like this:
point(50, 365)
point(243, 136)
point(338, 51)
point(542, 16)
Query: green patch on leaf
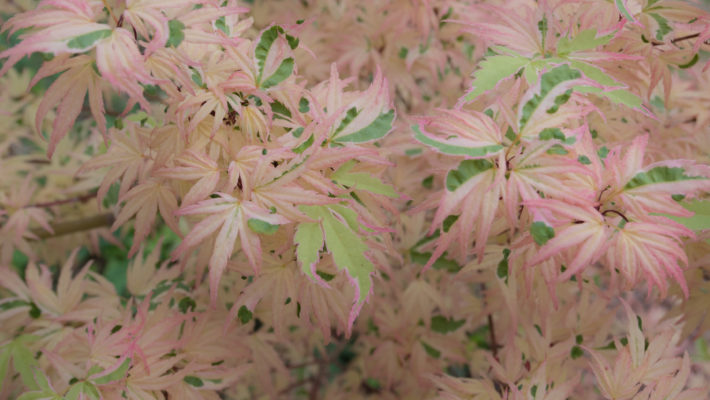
point(280, 110)
point(260, 226)
point(452, 149)
point(492, 70)
point(661, 174)
point(441, 324)
point(431, 351)
point(376, 130)
point(303, 105)
point(244, 314)
point(221, 24)
point(193, 381)
point(663, 27)
point(548, 82)
point(116, 375)
point(465, 171)
point(361, 180)
point(541, 232)
point(585, 40)
point(177, 34)
point(87, 40)
point(303, 146)
point(284, 70)
point(576, 352)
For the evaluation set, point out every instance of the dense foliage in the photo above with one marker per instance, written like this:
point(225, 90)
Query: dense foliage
point(396, 199)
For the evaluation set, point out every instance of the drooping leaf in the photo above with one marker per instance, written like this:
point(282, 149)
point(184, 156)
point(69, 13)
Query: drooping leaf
point(452, 149)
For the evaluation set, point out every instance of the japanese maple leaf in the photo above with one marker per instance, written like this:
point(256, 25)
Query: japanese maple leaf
point(144, 201)
point(230, 218)
point(67, 93)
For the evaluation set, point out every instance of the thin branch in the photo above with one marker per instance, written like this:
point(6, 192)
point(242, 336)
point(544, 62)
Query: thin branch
point(615, 212)
point(78, 199)
point(110, 11)
point(79, 225)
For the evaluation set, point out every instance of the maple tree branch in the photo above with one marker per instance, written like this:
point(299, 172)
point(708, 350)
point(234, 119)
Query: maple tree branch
point(78, 199)
point(77, 225)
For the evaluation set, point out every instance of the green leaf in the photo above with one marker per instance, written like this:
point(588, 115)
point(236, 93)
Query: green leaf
point(549, 81)
point(441, 324)
point(585, 40)
point(699, 221)
point(594, 73)
point(282, 72)
point(244, 314)
point(377, 129)
point(465, 171)
point(116, 375)
point(346, 246)
point(617, 96)
point(493, 70)
point(87, 40)
point(659, 175)
point(193, 381)
point(541, 232)
point(455, 150)
point(177, 34)
point(86, 388)
point(260, 226)
point(361, 180)
point(309, 241)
